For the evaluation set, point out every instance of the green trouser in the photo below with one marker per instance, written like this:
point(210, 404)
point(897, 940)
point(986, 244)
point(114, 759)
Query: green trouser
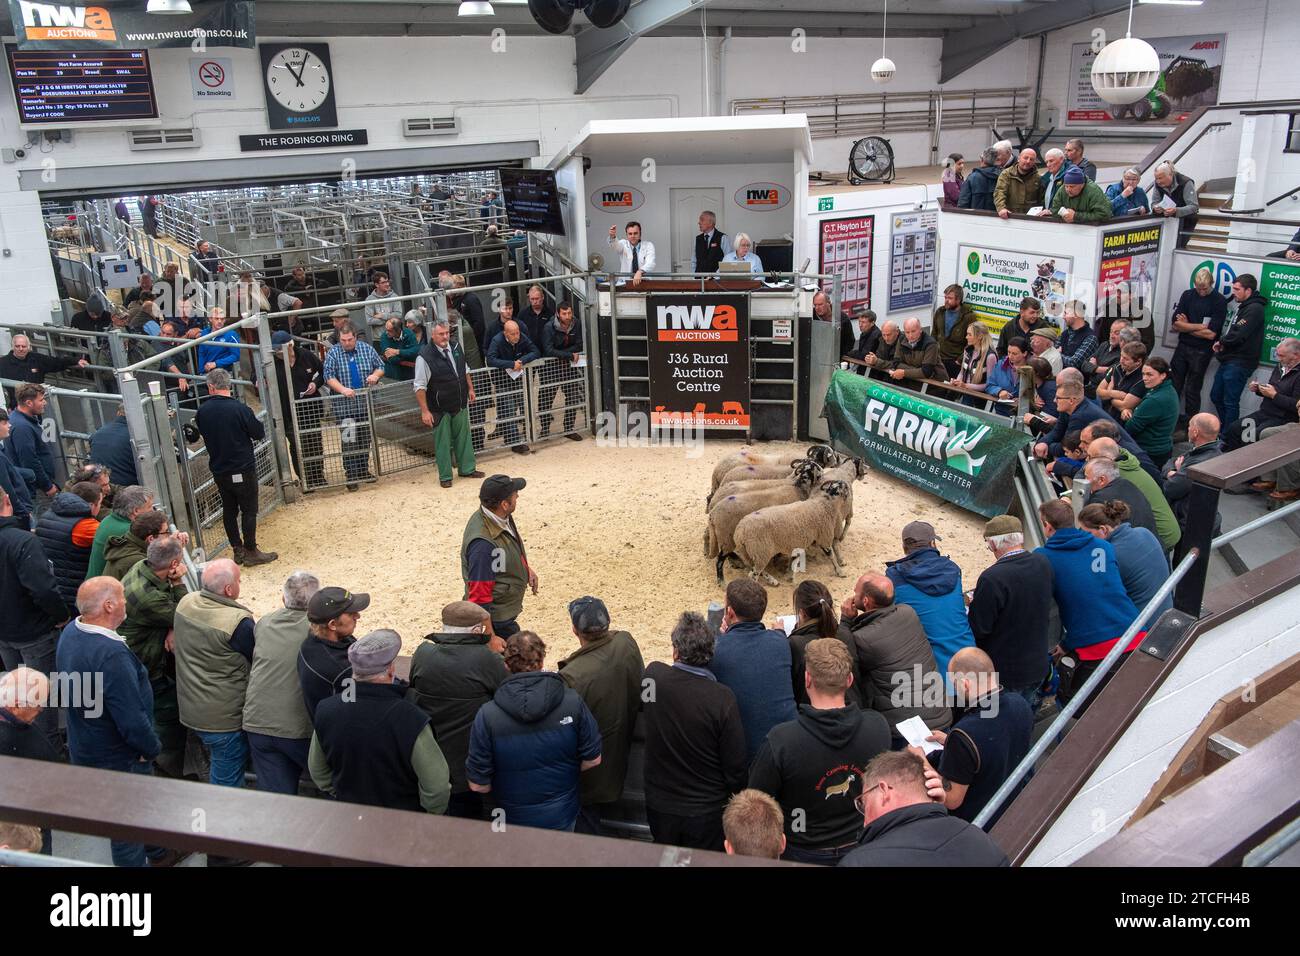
point(167, 725)
point(451, 437)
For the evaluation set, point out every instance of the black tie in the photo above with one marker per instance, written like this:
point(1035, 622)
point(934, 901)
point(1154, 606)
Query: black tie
point(450, 360)
point(635, 265)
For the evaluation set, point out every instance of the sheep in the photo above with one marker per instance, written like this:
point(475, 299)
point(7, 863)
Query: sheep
point(728, 511)
point(847, 471)
point(824, 455)
point(800, 526)
point(800, 467)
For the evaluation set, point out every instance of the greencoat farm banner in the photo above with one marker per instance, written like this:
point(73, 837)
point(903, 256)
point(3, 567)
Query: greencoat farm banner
point(960, 458)
point(116, 25)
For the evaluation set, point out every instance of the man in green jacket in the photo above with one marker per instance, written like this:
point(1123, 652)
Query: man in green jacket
point(398, 348)
point(128, 502)
point(948, 328)
point(153, 589)
point(124, 551)
point(1167, 529)
point(606, 671)
point(1080, 200)
point(493, 561)
point(1019, 188)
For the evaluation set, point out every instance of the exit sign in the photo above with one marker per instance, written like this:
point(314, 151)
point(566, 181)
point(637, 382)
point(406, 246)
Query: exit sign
point(826, 204)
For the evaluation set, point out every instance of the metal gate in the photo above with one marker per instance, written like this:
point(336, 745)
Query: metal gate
point(339, 440)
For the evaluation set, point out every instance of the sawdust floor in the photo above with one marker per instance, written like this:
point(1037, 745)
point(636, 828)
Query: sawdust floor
point(624, 524)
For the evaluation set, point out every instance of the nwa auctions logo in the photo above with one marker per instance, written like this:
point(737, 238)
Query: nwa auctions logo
point(617, 198)
point(762, 197)
point(48, 21)
point(697, 323)
point(924, 429)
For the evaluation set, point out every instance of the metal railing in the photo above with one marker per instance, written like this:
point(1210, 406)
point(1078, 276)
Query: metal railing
point(1080, 696)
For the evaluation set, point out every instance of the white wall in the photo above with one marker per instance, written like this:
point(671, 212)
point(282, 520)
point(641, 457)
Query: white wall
point(1259, 60)
point(1219, 661)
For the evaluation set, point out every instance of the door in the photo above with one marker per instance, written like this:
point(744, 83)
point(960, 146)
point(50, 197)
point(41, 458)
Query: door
point(685, 206)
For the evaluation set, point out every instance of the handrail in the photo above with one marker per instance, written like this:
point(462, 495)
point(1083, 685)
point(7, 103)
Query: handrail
point(1188, 147)
point(1048, 738)
point(1255, 523)
point(1244, 212)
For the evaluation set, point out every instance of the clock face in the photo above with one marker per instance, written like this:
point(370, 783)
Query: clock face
point(297, 79)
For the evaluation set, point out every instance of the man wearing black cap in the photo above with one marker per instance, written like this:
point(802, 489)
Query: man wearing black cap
point(493, 561)
point(332, 616)
point(606, 672)
point(374, 747)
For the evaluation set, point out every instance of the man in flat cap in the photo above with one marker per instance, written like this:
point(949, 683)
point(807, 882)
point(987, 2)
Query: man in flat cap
point(1010, 610)
point(371, 745)
point(454, 672)
point(930, 583)
point(606, 671)
point(493, 562)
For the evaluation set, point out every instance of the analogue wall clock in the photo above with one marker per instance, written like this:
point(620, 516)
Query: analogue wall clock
point(299, 85)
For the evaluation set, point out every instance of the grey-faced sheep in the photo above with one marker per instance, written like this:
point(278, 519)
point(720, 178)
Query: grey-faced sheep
point(728, 511)
point(824, 455)
point(791, 528)
point(800, 468)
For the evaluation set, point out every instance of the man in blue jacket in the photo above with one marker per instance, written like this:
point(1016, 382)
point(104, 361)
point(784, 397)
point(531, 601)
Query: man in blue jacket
point(562, 339)
point(12, 480)
point(26, 446)
point(509, 352)
point(111, 727)
point(754, 662)
point(1095, 607)
point(930, 584)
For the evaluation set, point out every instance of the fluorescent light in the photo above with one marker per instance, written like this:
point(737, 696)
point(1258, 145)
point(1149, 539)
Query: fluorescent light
point(1174, 3)
point(169, 6)
point(474, 9)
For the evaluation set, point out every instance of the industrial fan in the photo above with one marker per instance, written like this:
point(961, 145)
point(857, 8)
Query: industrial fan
point(871, 160)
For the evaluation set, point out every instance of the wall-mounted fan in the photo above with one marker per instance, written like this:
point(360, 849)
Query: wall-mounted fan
point(871, 160)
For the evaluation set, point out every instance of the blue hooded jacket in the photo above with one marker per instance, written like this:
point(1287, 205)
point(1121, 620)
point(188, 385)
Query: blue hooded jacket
point(528, 743)
point(1142, 566)
point(1088, 588)
point(930, 584)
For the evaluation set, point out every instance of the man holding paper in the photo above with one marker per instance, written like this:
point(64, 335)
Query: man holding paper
point(562, 340)
point(509, 352)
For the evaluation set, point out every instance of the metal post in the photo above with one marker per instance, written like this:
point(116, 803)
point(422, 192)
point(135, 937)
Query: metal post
point(264, 374)
point(146, 456)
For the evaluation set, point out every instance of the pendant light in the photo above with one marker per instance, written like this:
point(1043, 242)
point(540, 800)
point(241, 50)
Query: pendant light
point(883, 70)
point(1126, 70)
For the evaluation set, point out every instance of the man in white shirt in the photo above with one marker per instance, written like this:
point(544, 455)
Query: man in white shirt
point(635, 256)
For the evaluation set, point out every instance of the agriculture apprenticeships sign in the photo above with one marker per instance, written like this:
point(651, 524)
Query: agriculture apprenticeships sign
point(699, 360)
point(960, 458)
point(995, 280)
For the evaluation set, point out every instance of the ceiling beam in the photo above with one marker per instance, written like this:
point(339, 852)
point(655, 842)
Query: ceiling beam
point(962, 49)
point(598, 49)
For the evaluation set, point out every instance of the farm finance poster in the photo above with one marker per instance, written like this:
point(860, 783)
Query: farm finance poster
point(699, 360)
point(995, 280)
point(1126, 277)
point(1190, 70)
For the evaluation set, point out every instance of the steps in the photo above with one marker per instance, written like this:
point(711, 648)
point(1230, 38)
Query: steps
point(1218, 228)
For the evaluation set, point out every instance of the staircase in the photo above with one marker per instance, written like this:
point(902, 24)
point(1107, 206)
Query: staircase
point(1216, 227)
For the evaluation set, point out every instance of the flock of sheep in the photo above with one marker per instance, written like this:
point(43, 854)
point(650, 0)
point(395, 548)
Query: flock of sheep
point(765, 506)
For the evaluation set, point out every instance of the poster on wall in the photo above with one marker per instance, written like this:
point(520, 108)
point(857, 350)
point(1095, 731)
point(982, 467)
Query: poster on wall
point(699, 360)
point(846, 252)
point(1190, 70)
point(995, 280)
point(1126, 276)
point(71, 26)
point(912, 258)
point(1279, 283)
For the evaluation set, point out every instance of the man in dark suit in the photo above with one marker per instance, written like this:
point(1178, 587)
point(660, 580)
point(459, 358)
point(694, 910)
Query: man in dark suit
point(710, 245)
point(865, 341)
point(444, 392)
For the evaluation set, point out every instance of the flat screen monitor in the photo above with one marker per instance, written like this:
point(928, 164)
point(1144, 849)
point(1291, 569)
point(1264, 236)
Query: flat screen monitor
point(68, 87)
point(532, 200)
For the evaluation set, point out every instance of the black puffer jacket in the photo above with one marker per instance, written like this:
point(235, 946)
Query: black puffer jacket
point(924, 834)
point(892, 649)
point(55, 531)
point(32, 604)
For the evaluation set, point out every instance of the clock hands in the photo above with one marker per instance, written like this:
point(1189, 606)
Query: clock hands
point(297, 76)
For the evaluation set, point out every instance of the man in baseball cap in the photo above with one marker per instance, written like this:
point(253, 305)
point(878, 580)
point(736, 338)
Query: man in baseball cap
point(332, 616)
point(930, 583)
point(374, 747)
point(1008, 615)
point(493, 560)
point(330, 603)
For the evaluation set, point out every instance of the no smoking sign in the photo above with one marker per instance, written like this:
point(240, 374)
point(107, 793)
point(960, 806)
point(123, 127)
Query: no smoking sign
point(211, 77)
